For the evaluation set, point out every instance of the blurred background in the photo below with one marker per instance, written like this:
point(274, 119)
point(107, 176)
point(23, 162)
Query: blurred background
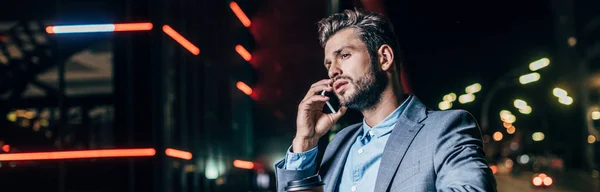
point(199, 95)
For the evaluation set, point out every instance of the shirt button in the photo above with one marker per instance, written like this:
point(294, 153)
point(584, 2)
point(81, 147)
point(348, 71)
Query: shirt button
point(371, 133)
point(360, 150)
point(353, 188)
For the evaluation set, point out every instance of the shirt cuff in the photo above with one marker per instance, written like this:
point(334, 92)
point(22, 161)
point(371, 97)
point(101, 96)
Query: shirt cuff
point(300, 161)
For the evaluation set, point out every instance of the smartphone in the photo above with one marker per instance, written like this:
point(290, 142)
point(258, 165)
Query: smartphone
point(333, 105)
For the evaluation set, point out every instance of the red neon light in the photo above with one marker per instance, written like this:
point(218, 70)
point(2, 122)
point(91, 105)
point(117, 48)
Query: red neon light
point(6, 148)
point(239, 13)
point(243, 52)
point(243, 164)
point(181, 40)
point(103, 153)
point(244, 88)
point(133, 26)
point(178, 154)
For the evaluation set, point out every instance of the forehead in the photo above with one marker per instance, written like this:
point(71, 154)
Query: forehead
point(343, 38)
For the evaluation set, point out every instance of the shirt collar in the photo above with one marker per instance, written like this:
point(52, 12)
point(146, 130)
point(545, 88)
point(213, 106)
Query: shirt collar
point(386, 125)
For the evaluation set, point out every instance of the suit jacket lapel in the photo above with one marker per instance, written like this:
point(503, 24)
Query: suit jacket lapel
point(339, 159)
point(400, 139)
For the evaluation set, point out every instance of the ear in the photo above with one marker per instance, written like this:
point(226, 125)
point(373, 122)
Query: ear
point(386, 57)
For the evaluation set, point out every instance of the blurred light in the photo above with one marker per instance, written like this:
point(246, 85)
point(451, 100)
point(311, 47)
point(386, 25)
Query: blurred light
point(104, 153)
point(189, 168)
point(466, 98)
point(240, 14)
point(523, 159)
point(494, 169)
point(473, 88)
point(44, 122)
point(11, 116)
point(450, 97)
point(519, 104)
point(595, 174)
point(507, 125)
point(178, 154)
point(572, 41)
point(529, 78)
point(211, 170)
point(510, 119)
point(511, 130)
point(243, 52)
point(566, 100)
point(547, 181)
point(99, 28)
point(536, 65)
point(595, 115)
point(504, 114)
point(497, 136)
point(538, 136)
point(444, 105)
point(526, 110)
point(514, 146)
point(244, 88)
point(509, 163)
point(263, 180)
point(243, 164)
point(30, 114)
point(220, 181)
point(537, 181)
point(181, 40)
point(48, 133)
point(591, 139)
point(558, 92)
point(6, 148)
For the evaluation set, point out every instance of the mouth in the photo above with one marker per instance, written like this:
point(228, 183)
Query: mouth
point(339, 85)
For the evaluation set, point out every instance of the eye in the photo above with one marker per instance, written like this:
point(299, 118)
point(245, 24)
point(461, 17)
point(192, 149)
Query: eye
point(344, 56)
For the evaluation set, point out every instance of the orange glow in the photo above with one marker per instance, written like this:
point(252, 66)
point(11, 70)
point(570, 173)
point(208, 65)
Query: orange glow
point(104, 153)
point(243, 52)
point(239, 13)
point(244, 88)
point(494, 169)
point(181, 40)
point(547, 181)
point(178, 154)
point(537, 181)
point(50, 30)
point(133, 26)
point(6, 148)
point(243, 164)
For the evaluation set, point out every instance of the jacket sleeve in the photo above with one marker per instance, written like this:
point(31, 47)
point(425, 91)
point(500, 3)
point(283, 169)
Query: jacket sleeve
point(459, 158)
point(295, 166)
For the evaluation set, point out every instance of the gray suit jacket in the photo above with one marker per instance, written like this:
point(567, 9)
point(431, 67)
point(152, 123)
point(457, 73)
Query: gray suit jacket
point(427, 151)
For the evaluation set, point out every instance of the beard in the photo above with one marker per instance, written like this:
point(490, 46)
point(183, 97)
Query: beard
point(368, 89)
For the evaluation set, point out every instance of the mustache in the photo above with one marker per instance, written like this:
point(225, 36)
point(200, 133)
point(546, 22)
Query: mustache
point(342, 77)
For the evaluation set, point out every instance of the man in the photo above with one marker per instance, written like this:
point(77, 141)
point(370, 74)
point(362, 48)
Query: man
point(400, 144)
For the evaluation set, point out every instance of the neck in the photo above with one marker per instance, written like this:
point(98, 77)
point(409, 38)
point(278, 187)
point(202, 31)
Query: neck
point(391, 99)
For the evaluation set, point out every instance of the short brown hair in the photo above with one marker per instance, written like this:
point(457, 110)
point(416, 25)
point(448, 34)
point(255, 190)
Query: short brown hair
point(373, 29)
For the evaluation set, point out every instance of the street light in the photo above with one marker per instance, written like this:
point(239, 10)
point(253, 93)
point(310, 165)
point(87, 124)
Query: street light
point(473, 88)
point(566, 100)
point(537, 65)
point(444, 105)
point(558, 92)
point(595, 115)
point(529, 78)
point(466, 98)
point(519, 104)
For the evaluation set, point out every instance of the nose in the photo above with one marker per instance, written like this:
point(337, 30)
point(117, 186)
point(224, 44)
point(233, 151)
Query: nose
point(334, 71)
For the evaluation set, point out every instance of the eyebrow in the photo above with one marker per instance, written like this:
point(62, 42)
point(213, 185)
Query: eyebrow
point(338, 51)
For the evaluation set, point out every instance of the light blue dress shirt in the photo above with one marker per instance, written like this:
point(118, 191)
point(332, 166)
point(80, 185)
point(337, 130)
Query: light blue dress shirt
point(360, 170)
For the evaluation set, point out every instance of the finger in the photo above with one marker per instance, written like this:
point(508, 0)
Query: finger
point(339, 114)
point(316, 90)
point(315, 101)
